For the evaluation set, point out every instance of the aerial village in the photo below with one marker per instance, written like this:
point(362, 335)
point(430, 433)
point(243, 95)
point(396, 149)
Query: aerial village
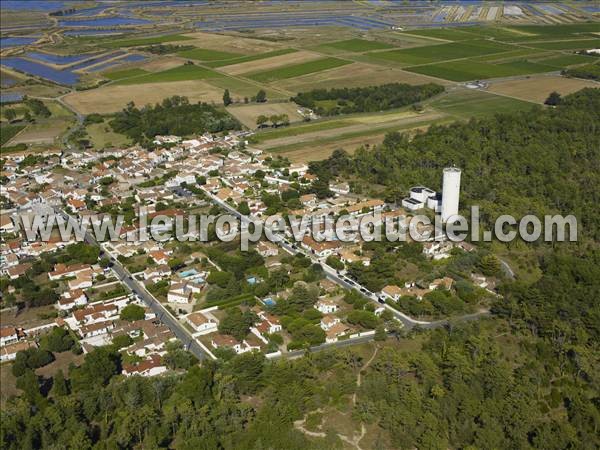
point(155, 300)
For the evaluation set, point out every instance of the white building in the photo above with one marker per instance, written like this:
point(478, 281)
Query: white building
point(201, 323)
point(450, 192)
point(326, 306)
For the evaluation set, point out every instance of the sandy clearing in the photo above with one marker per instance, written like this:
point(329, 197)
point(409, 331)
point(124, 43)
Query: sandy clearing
point(270, 63)
point(537, 89)
point(111, 99)
point(247, 114)
point(353, 75)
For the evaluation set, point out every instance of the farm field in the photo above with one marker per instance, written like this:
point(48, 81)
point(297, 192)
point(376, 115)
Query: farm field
point(247, 114)
point(138, 42)
point(537, 89)
point(202, 54)
point(566, 45)
point(249, 58)
point(297, 70)
point(240, 88)
point(244, 45)
point(440, 52)
point(467, 103)
point(127, 73)
point(355, 45)
point(270, 62)
point(465, 70)
point(113, 98)
point(354, 75)
point(297, 130)
point(44, 132)
point(181, 73)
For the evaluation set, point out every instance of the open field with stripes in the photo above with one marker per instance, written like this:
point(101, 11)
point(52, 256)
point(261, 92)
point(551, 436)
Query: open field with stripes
point(103, 59)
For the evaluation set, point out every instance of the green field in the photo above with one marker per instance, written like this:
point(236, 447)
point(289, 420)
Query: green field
point(467, 70)
point(300, 129)
point(357, 45)
point(475, 103)
point(441, 52)
point(297, 70)
point(145, 41)
point(7, 132)
point(181, 73)
point(448, 34)
point(567, 45)
point(202, 54)
point(566, 60)
point(244, 59)
point(127, 73)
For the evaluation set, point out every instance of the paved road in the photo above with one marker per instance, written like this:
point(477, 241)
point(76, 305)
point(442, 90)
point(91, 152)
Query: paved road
point(190, 344)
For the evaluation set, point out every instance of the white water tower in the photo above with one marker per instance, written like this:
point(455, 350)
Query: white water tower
point(450, 192)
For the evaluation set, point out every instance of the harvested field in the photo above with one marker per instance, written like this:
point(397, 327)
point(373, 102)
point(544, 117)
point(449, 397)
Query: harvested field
point(164, 63)
point(356, 45)
point(42, 132)
point(270, 63)
point(355, 75)
point(239, 88)
point(233, 44)
point(247, 114)
point(249, 58)
point(113, 98)
point(360, 126)
point(537, 89)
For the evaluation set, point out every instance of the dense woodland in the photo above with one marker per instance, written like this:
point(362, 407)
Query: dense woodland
point(175, 115)
point(331, 102)
point(527, 377)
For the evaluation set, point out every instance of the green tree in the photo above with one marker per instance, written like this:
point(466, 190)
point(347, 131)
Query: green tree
point(132, 312)
point(261, 96)
point(553, 99)
point(380, 333)
point(10, 114)
point(261, 121)
point(59, 385)
point(226, 98)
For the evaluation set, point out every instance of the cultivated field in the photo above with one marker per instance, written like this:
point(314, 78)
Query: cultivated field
point(247, 114)
point(297, 70)
point(163, 63)
point(537, 89)
point(355, 45)
point(181, 73)
point(269, 63)
point(249, 58)
point(355, 75)
point(113, 98)
point(233, 44)
point(202, 54)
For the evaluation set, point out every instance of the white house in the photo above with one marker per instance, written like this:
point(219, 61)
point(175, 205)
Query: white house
point(326, 306)
point(8, 335)
point(201, 323)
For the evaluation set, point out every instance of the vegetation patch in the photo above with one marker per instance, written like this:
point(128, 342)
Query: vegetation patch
point(174, 115)
point(367, 99)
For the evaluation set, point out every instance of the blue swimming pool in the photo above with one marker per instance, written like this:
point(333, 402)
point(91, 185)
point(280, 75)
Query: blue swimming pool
point(188, 273)
point(268, 301)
